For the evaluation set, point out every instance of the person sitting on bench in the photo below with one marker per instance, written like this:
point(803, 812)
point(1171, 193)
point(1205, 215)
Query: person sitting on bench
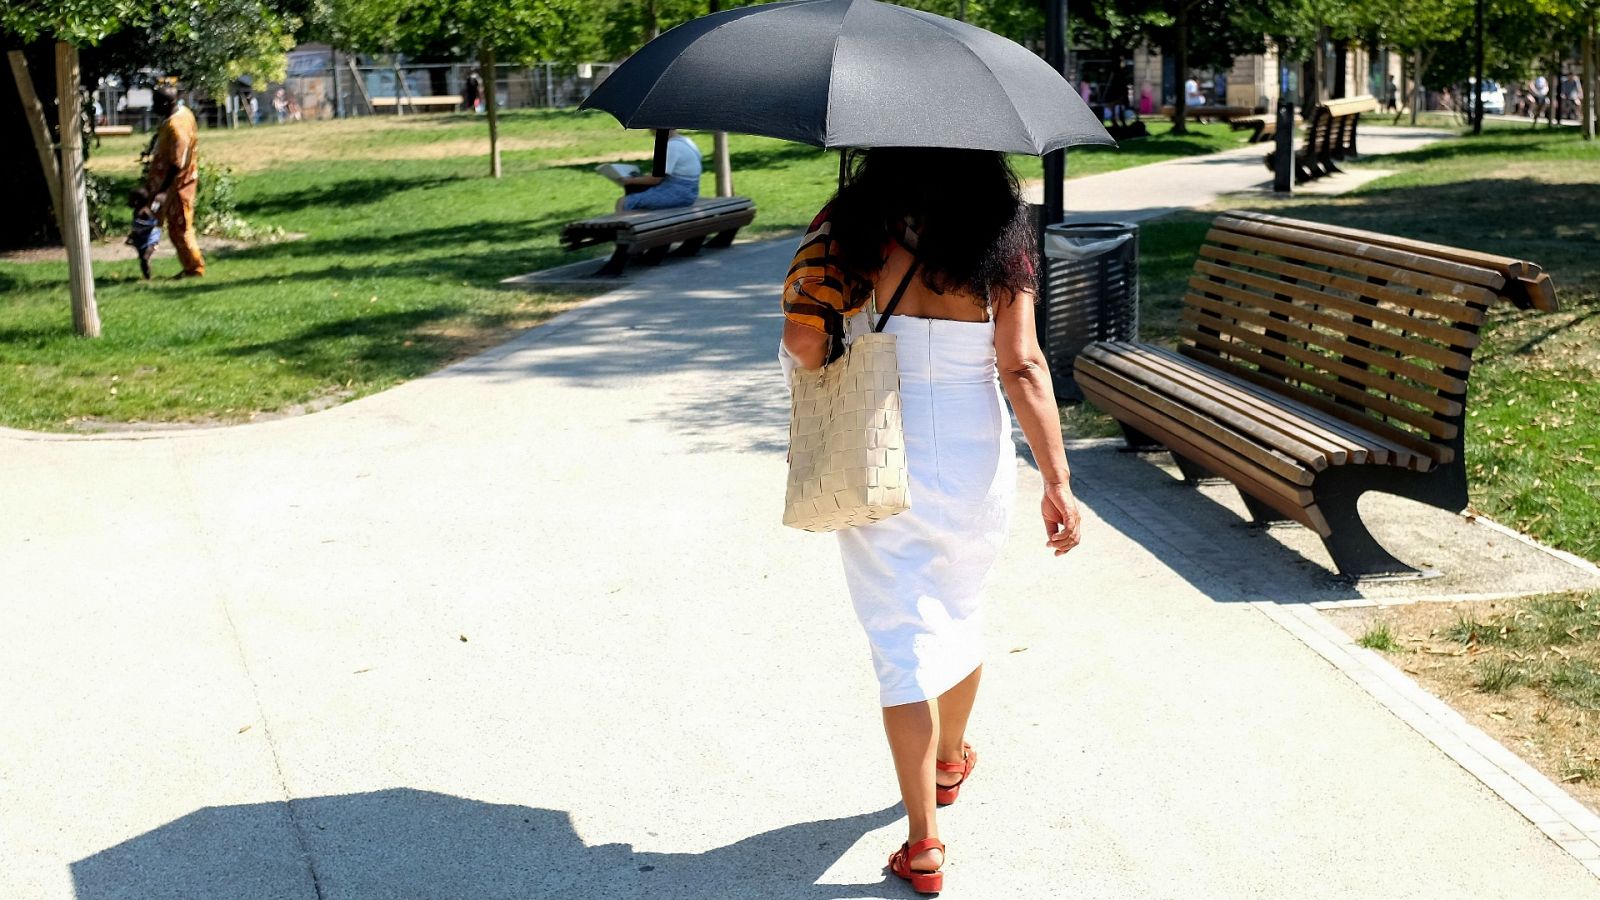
point(680, 187)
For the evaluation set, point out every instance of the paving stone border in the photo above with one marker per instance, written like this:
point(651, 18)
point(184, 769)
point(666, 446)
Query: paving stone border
point(1541, 801)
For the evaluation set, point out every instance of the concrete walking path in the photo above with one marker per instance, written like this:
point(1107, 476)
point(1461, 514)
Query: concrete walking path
point(1193, 182)
point(529, 627)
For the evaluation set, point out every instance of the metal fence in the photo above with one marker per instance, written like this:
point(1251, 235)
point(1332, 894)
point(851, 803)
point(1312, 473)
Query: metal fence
point(334, 86)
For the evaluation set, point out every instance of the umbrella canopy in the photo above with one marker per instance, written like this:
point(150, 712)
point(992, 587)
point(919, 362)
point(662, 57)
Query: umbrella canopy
point(849, 73)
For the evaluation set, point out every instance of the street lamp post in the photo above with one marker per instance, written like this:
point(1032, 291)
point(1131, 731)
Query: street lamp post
point(1477, 87)
point(1055, 163)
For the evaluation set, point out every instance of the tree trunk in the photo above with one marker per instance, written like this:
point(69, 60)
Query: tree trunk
point(486, 64)
point(1590, 106)
point(74, 194)
point(34, 111)
point(1417, 67)
point(1180, 109)
point(1313, 92)
point(1403, 89)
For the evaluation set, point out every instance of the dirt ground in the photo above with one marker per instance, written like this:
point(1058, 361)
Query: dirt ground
point(1558, 737)
point(116, 249)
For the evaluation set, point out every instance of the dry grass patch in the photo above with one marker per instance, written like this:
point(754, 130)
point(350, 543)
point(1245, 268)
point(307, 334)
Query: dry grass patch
point(1526, 671)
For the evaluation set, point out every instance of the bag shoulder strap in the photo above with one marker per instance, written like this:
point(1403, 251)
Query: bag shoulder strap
point(899, 291)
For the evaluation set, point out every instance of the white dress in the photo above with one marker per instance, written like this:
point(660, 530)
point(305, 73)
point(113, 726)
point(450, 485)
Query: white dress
point(917, 578)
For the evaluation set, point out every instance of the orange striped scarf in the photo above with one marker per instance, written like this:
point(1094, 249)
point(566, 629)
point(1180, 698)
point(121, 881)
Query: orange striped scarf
point(818, 293)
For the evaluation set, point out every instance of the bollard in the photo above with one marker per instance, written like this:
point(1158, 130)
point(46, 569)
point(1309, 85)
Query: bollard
point(1283, 144)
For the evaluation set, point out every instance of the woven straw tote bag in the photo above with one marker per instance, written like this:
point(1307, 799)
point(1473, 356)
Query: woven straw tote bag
point(847, 442)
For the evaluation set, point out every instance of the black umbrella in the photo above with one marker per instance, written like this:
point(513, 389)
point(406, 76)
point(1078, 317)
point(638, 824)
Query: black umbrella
point(849, 73)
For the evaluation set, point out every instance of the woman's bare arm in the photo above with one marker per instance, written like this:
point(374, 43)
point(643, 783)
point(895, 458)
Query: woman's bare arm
point(1025, 375)
point(808, 346)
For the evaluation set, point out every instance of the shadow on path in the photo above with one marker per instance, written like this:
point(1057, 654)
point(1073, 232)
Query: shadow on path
point(410, 843)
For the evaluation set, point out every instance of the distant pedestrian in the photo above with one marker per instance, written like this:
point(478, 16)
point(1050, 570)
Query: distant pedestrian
point(472, 92)
point(145, 233)
point(1192, 95)
point(173, 172)
point(1219, 89)
point(1391, 95)
point(1571, 97)
point(280, 105)
point(1541, 97)
point(1147, 100)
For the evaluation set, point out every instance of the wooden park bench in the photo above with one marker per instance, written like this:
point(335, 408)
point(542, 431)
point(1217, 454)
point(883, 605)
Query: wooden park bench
point(447, 101)
point(650, 233)
point(1202, 113)
point(1261, 127)
point(1330, 135)
point(1316, 363)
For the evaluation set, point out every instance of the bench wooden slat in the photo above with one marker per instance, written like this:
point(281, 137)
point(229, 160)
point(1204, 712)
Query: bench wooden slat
point(684, 230)
point(1225, 402)
point(1367, 382)
point(1434, 290)
point(1371, 300)
point(1505, 265)
point(1417, 443)
point(1290, 499)
point(1380, 449)
point(1257, 309)
point(1226, 405)
point(1249, 440)
point(1301, 378)
point(1439, 276)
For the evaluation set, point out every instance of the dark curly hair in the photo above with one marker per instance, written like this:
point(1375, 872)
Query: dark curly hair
point(975, 235)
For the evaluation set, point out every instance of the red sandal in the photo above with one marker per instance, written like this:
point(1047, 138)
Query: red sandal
point(921, 882)
point(946, 794)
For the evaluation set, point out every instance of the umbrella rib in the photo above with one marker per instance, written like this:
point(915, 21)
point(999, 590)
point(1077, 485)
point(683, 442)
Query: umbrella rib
point(982, 62)
point(833, 60)
point(662, 77)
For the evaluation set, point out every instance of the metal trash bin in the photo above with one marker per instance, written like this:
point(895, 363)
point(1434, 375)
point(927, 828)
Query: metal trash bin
point(1091, 293)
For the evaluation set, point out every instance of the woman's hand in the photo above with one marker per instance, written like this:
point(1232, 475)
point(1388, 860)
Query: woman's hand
point(1061, 518)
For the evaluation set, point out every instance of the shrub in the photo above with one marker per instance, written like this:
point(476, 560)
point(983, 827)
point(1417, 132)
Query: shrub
point(216, 206)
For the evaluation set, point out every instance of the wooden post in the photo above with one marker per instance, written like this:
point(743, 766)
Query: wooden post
point(74, 190)
point(719, 140)
point(46, 148)
point(486, 63)
point(401, 95)
point(719, 153)
point(361, 86)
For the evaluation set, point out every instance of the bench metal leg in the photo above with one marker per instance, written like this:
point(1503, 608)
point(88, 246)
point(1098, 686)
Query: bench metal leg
point(1193, 474)
point(613, 267)
point(689, 247)
point(1356, 554)
point(1260, 513)
point(654, 255)
point(722, 239)
point(1138, 441)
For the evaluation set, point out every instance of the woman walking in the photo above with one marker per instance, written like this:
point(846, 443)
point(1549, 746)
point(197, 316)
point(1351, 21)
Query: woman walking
point(964, 332)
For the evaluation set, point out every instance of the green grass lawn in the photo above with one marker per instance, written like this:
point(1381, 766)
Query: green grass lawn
point(1533, 441)
point(405, 243)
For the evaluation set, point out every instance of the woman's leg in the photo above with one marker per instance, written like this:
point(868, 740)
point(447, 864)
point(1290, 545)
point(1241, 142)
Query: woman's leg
point(913, 730)
point(954, 707)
